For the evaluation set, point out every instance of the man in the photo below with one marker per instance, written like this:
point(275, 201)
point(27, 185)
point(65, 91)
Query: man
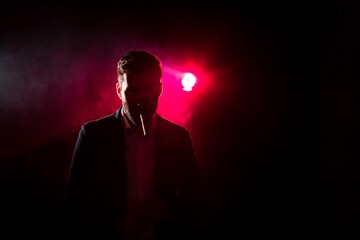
point(133, 175)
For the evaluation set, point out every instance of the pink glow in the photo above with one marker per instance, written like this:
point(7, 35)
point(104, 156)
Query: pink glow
point(177, 103)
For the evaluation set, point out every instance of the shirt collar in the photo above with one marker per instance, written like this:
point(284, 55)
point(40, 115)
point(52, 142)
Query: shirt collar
point(127, 126)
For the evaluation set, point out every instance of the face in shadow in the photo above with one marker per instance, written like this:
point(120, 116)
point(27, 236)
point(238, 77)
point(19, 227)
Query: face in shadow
point(139, 93)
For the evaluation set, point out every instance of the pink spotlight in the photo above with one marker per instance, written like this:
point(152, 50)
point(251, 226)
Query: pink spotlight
point(188, 81)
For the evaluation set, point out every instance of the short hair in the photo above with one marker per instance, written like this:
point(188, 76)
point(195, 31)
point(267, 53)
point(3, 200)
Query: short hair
point(138, 62)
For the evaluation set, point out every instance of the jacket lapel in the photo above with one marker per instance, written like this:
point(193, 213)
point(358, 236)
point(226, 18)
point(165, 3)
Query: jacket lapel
point(112, 167)
point(164, 161)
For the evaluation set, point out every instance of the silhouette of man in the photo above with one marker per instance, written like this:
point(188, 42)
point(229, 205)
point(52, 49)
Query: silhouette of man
point(134, 175)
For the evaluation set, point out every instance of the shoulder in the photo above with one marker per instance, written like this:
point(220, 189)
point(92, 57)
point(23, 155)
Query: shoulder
point(167, 125)
point(172, 132)
point(100, 124)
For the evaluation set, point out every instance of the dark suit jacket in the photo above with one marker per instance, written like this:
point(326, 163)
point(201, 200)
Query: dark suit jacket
point(96, 188)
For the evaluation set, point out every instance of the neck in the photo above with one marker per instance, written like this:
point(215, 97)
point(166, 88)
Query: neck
point(138, 127)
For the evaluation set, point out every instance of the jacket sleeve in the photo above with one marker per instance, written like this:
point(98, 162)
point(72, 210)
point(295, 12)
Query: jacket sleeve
point(78, 197)
point(190, 191)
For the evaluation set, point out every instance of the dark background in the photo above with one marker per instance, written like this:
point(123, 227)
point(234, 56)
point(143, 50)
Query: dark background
point(275, 132)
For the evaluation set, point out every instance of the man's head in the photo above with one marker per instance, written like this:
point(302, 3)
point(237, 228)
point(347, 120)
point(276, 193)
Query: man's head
point(139, 84)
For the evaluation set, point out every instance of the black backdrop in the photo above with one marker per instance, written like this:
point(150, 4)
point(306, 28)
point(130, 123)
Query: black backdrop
point(276, 131)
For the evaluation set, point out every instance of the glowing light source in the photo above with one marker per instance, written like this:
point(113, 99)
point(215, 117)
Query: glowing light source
point(188, 81)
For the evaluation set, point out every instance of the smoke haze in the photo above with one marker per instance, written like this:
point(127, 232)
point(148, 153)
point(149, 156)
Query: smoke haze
point(252, 113)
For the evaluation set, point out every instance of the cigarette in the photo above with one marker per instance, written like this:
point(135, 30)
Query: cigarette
point(142, 124)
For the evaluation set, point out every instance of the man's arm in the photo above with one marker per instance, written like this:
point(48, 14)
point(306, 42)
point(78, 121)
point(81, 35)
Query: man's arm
point(78, 188)
point(191, 191)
